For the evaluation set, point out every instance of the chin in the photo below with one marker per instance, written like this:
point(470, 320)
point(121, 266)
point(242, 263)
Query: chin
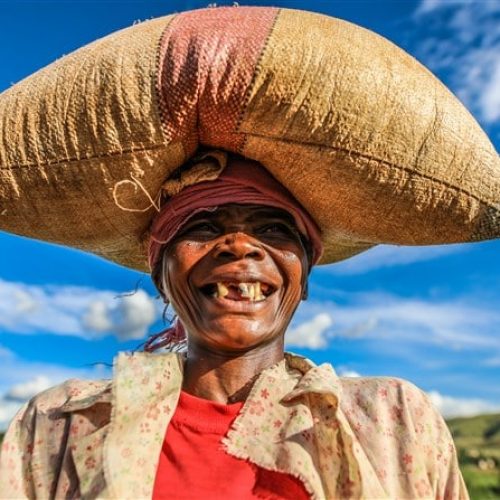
point(240, 335)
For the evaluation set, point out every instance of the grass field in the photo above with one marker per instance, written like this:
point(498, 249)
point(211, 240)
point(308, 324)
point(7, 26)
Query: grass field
point(482, 485)
point(478, 445)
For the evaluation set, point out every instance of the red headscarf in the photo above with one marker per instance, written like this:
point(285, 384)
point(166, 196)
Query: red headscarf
point(242, 182)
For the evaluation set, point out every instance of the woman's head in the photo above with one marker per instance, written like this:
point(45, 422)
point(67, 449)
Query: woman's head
point(236, 275)
point(232, 256)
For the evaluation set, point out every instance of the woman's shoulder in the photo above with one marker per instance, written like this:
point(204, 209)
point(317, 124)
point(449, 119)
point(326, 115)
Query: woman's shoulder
point(56, 404)
point(402, 432)
point(71, 394)
point(385, 393)
point(393, 416)
point(391, 402)
point(387, 404)
point(384, 390)
point(50, 423)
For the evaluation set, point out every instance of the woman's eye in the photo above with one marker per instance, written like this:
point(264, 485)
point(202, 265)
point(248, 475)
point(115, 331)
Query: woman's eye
point(276, 228)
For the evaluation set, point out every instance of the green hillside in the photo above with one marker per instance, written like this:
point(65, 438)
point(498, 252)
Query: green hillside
point(481, 427)
point(478, 444)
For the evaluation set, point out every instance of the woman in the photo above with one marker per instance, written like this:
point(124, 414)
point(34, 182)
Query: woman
point(233, 416)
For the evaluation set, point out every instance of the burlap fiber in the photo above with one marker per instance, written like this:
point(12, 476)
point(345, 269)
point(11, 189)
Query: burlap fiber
point(366, 138)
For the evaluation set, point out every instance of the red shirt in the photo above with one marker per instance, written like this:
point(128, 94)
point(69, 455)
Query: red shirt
point(193, 463)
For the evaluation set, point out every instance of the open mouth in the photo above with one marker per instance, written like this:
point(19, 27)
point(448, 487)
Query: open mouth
point(240, 291)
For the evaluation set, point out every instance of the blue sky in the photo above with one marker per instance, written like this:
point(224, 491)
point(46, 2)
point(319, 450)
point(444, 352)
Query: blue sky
point(430, 315)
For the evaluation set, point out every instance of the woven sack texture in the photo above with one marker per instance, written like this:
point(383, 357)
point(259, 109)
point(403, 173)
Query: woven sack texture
point(365, 137)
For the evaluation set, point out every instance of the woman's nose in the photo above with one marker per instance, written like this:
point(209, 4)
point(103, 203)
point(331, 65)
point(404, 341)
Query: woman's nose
point(239, 246)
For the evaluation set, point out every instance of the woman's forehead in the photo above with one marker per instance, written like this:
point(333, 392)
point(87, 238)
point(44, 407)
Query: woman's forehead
point(246, 213)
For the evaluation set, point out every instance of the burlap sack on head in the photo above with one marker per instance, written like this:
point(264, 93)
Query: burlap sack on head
point(370, 142)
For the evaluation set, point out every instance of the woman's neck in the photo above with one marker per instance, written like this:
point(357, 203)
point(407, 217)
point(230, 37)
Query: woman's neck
point(227, 377)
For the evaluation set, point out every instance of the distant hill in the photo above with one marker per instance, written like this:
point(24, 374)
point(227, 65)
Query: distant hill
point(481, 433)
point(476, 426)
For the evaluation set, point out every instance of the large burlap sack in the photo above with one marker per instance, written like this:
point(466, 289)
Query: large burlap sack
point(369, 141)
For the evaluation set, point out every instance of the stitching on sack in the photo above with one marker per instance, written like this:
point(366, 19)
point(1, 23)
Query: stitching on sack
point(384, 162)
point(87, 158)
point(257, 70)
point(157, 84)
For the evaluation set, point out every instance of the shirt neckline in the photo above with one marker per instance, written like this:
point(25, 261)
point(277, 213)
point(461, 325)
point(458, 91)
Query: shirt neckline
point(203, 414)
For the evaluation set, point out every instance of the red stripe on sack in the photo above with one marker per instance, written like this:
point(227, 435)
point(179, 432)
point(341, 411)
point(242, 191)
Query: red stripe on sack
point(207, 61)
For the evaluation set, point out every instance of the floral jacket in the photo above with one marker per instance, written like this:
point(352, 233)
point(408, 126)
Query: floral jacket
point(342, 437)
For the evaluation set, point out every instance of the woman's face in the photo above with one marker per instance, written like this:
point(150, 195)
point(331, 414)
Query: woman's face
point(235, 276)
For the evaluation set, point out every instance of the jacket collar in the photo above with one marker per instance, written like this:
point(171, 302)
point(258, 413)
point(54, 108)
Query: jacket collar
point(146, 389)
point(315, 379)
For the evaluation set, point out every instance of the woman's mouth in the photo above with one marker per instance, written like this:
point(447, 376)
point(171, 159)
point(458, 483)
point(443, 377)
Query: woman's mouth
point(255, 291)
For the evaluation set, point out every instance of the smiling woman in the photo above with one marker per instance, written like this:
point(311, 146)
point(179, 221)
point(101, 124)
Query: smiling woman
point(233, 262)
point(233, 149)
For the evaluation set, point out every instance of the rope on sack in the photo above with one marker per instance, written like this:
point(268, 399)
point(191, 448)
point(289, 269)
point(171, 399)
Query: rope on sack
point(206, 166)
point(136, 183)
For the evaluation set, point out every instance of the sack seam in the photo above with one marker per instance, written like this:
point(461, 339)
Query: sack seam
point(378, 160)
point(87, 158)
point(257, 71)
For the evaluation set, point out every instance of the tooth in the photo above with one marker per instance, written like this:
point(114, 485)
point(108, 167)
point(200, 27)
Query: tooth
point(251, 291)
point(258, 291)
point(222, 290)
point(244, 289)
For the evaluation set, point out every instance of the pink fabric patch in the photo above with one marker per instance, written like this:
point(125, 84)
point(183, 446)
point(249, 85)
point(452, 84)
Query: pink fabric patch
point(207, 62)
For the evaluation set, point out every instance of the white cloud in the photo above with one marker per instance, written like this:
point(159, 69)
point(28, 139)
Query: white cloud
point(128, 319)
point(428, 6)
point(461, 407)
point(7, 411)
point(455, 323)
point(349, 373)
point(493, 362)
point(359, 328)
point(383, 256)
point(5, 353)
point(133, 315)
point(26, 390)
point(97, 317)
point(310, 334)
point(75, 311)
point(461, 40)
point(490, 98)
point(24, 302)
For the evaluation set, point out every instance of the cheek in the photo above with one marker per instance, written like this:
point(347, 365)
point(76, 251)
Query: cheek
point(178, 263)
point(294, 272)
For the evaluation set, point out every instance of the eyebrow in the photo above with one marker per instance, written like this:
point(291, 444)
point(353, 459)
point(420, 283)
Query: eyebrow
point(270, 212)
